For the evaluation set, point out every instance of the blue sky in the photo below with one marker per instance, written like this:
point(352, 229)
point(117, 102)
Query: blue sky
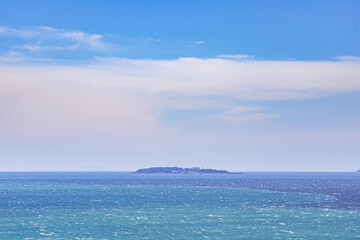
point(239, 85)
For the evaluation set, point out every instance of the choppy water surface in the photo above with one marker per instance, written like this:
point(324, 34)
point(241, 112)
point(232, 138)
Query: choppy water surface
point(127, 206)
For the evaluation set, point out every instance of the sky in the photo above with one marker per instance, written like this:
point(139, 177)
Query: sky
point(236, 85)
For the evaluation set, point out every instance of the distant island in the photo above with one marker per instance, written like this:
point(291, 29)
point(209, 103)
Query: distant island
point(358, 171)
point(179, 170)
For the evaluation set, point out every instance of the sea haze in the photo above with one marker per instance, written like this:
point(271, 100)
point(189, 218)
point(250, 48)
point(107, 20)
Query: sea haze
point(108, 205)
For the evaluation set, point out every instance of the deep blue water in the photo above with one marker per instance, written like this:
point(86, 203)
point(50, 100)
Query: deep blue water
point(112, 205)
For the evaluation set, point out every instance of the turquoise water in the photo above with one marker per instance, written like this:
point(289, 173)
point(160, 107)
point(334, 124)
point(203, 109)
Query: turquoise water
point(58, 210)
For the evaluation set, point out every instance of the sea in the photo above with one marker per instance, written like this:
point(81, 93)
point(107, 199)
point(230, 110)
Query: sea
point(122, 205)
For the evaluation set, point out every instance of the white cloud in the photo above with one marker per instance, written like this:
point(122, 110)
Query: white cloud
point(149, 39)
point(348, 58)
point(190, 43)
point(250, 80)
point(199, 42)
point(125, 97)
point(11, 57)
point(38, 46)
point(73, 38)
point(252, 117)
point(240, 114)
point(235, 56)
point(241, 109)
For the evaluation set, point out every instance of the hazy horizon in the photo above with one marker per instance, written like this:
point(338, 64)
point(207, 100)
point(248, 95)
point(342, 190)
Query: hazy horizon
point(130, 171)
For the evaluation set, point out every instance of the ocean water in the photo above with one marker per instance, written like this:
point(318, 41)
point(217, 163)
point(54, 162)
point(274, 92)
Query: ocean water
point(129, 206)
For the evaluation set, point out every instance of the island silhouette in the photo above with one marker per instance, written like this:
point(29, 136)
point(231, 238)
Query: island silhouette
point(179, 170)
